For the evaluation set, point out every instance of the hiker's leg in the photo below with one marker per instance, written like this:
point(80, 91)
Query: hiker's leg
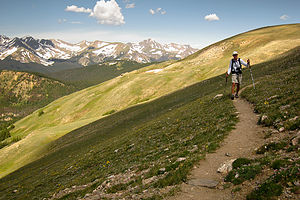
point(237, 88)
point(232, 88)
point(234, 82)
point(239, 79)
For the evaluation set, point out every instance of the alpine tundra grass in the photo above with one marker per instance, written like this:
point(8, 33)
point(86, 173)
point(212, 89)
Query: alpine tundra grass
point(143, 151)
point(154, 145)
point(147, 84)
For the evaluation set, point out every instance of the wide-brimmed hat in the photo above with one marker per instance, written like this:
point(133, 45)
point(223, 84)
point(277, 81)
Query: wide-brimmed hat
point(235, 53)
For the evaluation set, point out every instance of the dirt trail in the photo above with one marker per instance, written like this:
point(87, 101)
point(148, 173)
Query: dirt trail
point(240, 142)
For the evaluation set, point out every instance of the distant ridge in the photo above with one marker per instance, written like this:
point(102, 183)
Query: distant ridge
point(48, 52)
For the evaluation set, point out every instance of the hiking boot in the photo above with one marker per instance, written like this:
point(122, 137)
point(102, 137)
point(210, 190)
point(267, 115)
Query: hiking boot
point(232, 97)
point(236, 96)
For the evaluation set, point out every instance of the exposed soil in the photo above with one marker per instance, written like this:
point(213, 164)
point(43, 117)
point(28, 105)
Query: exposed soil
point(241, 142)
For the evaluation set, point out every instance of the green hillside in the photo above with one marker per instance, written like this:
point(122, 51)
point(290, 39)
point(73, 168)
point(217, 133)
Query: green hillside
point(140, 86)
point(20, 94)
point(149, 147)
point(94, 74)
point(19, 89)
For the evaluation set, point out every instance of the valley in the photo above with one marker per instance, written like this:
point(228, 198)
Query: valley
point(137, 87)
point(132, 128)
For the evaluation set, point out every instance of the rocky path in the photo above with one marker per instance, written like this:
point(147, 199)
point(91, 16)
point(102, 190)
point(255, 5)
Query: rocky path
point(241, 142)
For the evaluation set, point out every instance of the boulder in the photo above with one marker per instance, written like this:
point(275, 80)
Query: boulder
point(218, 96)
point(295, 140)
point(203, 183)
point(226, 166)
point(264, 117)
point(180, 159)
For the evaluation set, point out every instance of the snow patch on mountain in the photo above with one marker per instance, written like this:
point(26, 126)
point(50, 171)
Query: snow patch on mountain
point(69, 47)
point(8, 52)
point(3, 40)
point(44, 51)
point(154, 71)
point(107, 50)
point(137, 48)
point(158, 53)
point(102, 44)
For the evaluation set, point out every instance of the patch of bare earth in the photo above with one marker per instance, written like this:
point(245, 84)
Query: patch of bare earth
point(205, 182)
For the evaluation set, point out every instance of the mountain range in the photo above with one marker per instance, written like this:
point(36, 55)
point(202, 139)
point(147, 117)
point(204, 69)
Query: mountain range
point(159, 120)
point(51, 51)
point(140, 87)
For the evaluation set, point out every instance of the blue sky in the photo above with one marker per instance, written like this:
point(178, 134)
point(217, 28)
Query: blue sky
point(134, 20)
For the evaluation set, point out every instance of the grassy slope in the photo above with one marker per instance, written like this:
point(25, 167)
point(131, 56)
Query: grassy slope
point(88, 105)
point(277, 98)
point(21, 89)
point(177, 122)
point(141, 134)
point(94, 74)
point(21, 93)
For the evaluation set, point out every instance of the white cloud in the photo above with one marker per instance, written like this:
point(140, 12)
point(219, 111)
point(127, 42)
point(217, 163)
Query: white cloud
point(130, 5)
point(108, 12)
point(284, 17)
point(74, 8)
point(60, 21)
point(211, 17)
point(158, 11)
point(75, 22)
point(152, 11)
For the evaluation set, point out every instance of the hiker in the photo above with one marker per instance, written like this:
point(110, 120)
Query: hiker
point(235, 67)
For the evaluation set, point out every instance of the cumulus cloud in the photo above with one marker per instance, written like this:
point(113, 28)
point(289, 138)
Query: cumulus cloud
point(158, 11)
point(211, 17)
point(74, 8)
point(130, 5)
point(284, 17)
point(108, 12)
point(152, 11)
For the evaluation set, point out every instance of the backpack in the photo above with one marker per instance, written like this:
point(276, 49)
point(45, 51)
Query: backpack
point(237, 70)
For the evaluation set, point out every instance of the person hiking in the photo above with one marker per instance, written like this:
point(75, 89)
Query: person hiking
point(235, 68)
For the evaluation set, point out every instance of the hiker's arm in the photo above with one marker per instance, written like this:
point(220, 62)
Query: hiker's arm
point(229, 69)
point(244, 63)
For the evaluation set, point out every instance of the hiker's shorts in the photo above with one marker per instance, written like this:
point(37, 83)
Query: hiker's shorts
point(237, 78)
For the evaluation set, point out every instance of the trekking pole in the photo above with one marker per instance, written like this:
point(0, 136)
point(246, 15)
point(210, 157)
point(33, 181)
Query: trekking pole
point(252, 78)
point(225, 84)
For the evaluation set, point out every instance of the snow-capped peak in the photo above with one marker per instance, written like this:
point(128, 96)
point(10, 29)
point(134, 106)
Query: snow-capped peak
point(3, 39)
point(44, 51)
